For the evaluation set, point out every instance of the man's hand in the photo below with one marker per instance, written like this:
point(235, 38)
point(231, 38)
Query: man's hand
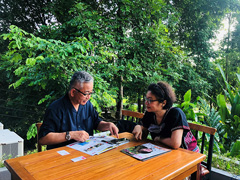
point(81, 136)
point(137, 132)
point(108, 126)
point(113, 129)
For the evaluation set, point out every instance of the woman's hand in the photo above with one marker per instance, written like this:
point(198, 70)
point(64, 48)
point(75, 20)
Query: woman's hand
point(137, 132)
point(157, 138)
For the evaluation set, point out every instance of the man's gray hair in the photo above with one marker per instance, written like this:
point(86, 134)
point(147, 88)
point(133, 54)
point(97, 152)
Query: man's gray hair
point(80, 77)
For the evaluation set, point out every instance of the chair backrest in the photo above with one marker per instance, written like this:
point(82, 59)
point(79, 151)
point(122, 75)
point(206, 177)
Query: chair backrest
point(205, 130)
point(132, 116)
point(39, 146)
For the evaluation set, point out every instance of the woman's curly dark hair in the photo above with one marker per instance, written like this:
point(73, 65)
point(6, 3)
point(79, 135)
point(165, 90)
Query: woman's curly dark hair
point(163, 91)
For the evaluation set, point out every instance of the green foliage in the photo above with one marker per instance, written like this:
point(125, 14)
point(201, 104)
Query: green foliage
point(133, 107)
point(190, 79)
point(229, 109)
point(212, 118)
point(235, 150)
point(32, 131)
point(27, 15)
point(211, 115)
point(1, 164)
point(47, 65)
point(200, 112)
point(199, 20)
point(135, 32)
point(44, 148)
point(106, 100)
point(4, 157)
point(230, 45)
point(121, 43)
point(43, 67)
point(188, 107)
point(230, 165)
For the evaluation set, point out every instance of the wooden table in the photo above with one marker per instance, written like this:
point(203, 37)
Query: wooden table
point(112, 164)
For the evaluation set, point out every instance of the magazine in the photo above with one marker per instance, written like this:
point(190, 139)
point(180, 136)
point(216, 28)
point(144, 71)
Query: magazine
point(145, 151)
point(98, 144)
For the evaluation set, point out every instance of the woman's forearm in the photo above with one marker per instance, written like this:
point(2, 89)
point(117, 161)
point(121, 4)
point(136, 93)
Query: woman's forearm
point(174, 141)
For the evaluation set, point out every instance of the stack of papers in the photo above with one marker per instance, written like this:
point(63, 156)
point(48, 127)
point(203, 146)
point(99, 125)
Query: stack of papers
point(98, 144)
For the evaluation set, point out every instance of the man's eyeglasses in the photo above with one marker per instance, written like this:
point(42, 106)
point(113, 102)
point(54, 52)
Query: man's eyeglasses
point(85, 94)
point(149, 101)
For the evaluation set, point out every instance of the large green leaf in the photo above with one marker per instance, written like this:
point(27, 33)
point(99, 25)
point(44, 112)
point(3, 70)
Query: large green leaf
point(187, 96)
point(238, 76)
point(226, 83)
point(222, 107)
point(235, 150)
point(236, 106)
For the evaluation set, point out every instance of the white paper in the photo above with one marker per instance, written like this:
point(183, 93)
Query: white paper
point(63, 152)
point(78, 158)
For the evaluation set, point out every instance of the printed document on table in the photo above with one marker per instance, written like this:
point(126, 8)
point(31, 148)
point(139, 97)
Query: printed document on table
point(97, 144)
point(145, 151)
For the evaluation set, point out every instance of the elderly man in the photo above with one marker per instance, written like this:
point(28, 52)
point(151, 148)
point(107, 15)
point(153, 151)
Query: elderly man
point(73, 117)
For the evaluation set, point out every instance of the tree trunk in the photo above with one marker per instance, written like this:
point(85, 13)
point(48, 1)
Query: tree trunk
point(120, 77)
point(143, 104)
point(139, 103)
point(118, 114)
point(228, 44)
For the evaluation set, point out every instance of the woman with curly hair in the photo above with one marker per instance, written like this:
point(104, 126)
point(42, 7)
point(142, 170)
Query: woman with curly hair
point(165, 123)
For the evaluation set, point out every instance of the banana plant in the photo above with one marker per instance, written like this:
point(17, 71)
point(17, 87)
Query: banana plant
point(199, 112)
point(212, 119)
point(188, 107)
point(229, 109)
point(235, 150)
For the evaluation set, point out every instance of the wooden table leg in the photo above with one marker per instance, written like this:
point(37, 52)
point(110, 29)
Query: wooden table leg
point(196, 175)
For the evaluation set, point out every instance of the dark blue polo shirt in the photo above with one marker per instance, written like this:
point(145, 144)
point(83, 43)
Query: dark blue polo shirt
point(61, 116)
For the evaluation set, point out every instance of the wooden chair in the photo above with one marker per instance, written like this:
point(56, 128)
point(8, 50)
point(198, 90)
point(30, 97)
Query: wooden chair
point(39, 146)
point(133, 116)
point(129, 121)
point(206, 166)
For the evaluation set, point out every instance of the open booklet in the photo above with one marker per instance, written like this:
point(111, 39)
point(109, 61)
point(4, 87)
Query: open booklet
point(98, 144)
point(145, 151)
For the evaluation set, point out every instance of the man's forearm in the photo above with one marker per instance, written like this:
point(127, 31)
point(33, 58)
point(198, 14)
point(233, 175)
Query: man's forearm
point(53, 138)
point(108, 126)
point(103, 126)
